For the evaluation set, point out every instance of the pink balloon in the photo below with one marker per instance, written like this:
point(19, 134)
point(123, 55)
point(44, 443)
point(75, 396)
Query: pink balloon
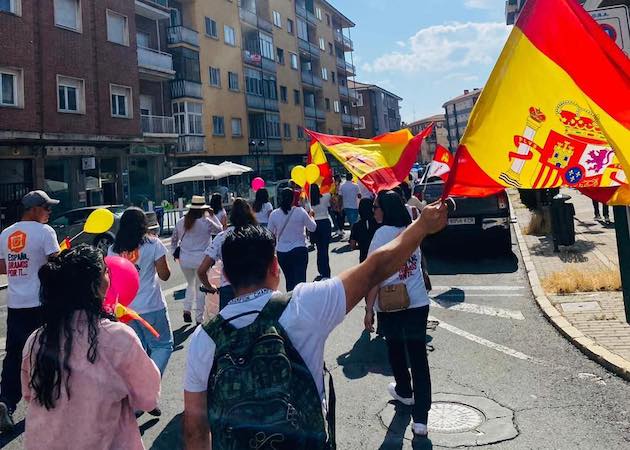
point(258, 183)
point(124, 282)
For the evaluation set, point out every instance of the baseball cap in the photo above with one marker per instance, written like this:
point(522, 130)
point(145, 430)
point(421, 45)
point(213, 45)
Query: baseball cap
point(38, 198)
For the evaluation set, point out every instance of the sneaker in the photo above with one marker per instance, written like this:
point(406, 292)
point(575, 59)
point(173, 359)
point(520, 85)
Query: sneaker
point(419, 429)
point(598, 217)
point(392, 391)
point(156, 412)
point(187, 317)
point(6, 419)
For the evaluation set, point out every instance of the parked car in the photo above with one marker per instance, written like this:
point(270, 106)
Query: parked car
point(70, 223)
point(471, 219)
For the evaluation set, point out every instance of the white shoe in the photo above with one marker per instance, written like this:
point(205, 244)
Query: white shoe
point(392, 391)
point(419, 429)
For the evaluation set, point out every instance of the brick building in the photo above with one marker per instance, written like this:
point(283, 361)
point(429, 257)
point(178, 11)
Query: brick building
point(439, 136)
point(377, 110)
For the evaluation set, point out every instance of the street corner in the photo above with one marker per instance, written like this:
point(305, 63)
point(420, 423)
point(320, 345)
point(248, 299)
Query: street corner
point(455, 420)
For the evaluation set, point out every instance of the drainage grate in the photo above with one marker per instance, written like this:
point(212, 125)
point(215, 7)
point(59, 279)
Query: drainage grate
point(450, 417)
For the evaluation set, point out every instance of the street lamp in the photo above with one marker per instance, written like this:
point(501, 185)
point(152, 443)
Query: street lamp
point(255, 146)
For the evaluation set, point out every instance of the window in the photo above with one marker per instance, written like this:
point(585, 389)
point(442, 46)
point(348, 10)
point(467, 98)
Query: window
point(237, 127)
point(121, 101)
point(283, 94)
point(146, 105)
point(333, 77)
point(211, 28)
point(277, 19)
point(68, 14)
point(318, 13)
point(143, 39)
point(11, 6)
point(253, 82)
point(336, 106)
point(327, 19)
point(296, 96)
point(327, 102)
point(330, 48)
point(11, 87)
point(215, 77)
point(294, 61)
point(359, 99)
point(270, 89)
point(361, 125)
point(287, 130)
point(117, 28)
point(229, 35)
point(290, 27)
point(188, 118)
point(273, 125)
point(324, 73)
point(322, 44)
point(280, 56)
point(218, 126)
point(233, 81)
point(302, 29)
point(70, 95)
point(266, 46)
point(300, 132)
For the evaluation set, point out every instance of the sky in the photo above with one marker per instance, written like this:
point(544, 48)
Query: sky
point(425, 51)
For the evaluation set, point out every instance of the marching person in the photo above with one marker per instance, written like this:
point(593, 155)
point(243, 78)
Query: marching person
point(24, 247)
point(216, 203)
point(402, 304)
point(288, 224)
point(350, 194)
point(289, 362)
point(191, 236)
point(83, 374)
point(148, 254)
point(363, 231)
point(319, 205)
point(262, 206)
point(336, 206)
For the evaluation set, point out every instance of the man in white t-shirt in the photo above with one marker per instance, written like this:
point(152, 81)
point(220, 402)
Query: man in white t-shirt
point(350, 194)
point(24, 248)
point(315, 309)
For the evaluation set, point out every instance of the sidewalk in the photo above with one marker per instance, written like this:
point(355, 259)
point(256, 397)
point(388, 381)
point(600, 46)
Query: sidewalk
point(593, 321)
point(3, 282)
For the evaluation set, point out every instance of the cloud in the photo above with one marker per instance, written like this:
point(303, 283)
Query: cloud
point(485, 4)
point(402, 44)
point(447, 47)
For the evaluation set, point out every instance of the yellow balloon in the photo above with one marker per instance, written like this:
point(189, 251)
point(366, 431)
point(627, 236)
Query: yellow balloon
point(99, 221)
point(312, 173)
point(298, 175)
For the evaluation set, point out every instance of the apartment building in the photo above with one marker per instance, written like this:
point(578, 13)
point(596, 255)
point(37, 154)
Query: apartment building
point(458, 112)
point(439, 136)
point(514, 7)
point(377, 110)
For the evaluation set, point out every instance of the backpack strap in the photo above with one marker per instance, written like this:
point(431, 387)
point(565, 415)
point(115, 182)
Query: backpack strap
point(274, 308)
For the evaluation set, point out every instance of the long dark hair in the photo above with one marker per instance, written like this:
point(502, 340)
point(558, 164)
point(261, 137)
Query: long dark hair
point(286, 200)
point(216, 203)
point(262, 197)
point(241, 214)
point(191, 216)
point(132, 230)
point(394, 210)
point(70, 282)
point(315, 195)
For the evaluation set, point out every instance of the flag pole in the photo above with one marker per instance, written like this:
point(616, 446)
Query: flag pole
point(622, 228)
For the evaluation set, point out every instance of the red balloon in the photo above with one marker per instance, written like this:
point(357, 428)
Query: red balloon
point(258, 183)
point(124, 282)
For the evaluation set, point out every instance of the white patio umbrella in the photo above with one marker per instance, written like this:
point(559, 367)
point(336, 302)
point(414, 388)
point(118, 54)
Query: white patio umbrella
point(235, 169)
point(200, 172)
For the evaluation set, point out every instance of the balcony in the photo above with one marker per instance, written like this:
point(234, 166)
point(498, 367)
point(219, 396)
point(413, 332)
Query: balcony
point(348, 119)
point(348, 93)
point(153, 9)
point(343, 40)
point(261, 103)
point(274, 145)
point(312, 80)
point(255, 59)
point(251, 18)
point(309, 48)
point(181, 35)
point(315, 113)
point(158, 125)
point(345, 66)
point(190, 144)
point(185, 89)
point(155, 65)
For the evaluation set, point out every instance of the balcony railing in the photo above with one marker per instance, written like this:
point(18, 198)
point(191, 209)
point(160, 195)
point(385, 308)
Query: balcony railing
point(155, 60)
point(316, 113)
point(309, 47)
point(348, 119)
point(256, 59)
point(190, 144)
point(346, 66)
point(185, 88)
point(349, 93)
point(343, 40)
point(311, 79)
point(157, 124)
point(264, 104)
point(274, 145)
point(255, 20)
point(183, 35)
point(163, 3)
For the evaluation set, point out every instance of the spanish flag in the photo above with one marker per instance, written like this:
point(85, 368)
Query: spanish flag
point(380, 163)
point(555, 111)
point(317, 156)
point(441, 164)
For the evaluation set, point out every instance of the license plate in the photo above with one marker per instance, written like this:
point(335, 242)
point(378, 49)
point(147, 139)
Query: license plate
point(461, 221)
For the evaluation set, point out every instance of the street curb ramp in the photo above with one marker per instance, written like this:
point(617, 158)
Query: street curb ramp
point(586, 345)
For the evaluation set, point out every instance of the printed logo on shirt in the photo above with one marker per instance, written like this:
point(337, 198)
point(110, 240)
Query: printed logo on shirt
point(17, 242)
point(409, 268)
point(17, 260)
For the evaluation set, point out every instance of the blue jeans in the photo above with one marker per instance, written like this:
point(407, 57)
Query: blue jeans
point(158, 349)
point(294, 264)
point(352, 215)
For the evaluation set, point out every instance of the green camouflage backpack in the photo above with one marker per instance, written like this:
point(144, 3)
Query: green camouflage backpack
point(261, 394)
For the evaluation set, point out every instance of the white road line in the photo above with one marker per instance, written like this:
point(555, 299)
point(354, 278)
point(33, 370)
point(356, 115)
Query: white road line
point(478, 309)
point(482, 341)
point(479, 288)
point(447, 295)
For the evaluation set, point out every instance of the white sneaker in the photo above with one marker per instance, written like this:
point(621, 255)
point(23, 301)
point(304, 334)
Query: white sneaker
point(392, 391)
point(419, 429)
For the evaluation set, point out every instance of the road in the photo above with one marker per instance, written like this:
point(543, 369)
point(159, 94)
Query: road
point(491, 350)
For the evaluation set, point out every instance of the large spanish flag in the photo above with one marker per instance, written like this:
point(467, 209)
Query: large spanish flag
point(555, 111)
point(317, 156)
point(380, 163)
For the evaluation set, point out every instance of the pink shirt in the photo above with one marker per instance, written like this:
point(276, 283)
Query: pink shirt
point(103, 396)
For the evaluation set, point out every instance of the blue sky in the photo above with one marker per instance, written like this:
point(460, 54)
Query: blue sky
point(425, 51)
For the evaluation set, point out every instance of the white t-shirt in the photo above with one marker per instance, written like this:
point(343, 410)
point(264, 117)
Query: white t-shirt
point(364, 191)
point(214, 251)
point(321, 210)
point(410, 273)
point(220, 216)
point(193, 242)
point(149, 297)
point(314, 311)
point(350, 193)
point(262, 217)
point(293, 235)
point(25, 247)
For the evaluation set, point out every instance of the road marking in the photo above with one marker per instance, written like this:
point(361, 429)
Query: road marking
point(479, 288)
point(478, 309)
point(479, 340)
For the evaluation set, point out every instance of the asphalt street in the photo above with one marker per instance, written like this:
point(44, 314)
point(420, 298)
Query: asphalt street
point(491, 343)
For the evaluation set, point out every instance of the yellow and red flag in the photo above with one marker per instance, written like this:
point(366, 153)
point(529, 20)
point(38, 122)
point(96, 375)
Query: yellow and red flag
point(441, 164)
point(317, 156)
point(555, 111)
point(379, 163)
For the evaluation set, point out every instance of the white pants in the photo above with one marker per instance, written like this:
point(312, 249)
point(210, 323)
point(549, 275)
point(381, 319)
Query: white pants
point(192, 291)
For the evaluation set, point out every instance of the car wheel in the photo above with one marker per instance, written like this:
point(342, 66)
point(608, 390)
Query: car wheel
point(103, 243)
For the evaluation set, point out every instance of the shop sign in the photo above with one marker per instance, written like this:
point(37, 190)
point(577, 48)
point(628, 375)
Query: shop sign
point(70, 150)
point(137, 149)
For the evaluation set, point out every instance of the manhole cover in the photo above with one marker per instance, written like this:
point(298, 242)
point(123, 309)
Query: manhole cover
point(448, 417)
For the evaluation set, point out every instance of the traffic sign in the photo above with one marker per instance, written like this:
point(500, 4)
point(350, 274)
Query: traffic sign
point(615, 21)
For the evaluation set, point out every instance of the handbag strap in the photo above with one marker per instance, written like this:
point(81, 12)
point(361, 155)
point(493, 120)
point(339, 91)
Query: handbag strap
point(286, 223)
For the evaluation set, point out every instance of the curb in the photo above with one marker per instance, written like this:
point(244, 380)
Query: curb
point(586, 345)
point(3, 287)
